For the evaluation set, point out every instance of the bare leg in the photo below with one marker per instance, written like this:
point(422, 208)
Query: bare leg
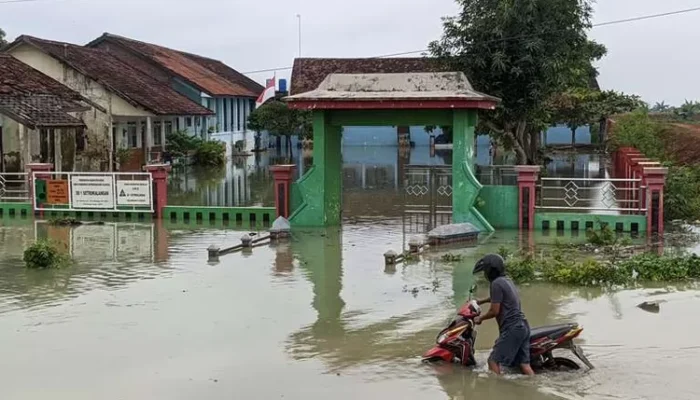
point(527, 369)
point(494, 367)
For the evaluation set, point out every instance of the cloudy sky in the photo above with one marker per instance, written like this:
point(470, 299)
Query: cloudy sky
point(657, 59)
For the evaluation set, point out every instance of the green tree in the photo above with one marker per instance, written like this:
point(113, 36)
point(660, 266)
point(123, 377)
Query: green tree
point(3, 42)
point(523, 52)
point(579, 107)
point(688, 110)
point(279, 120)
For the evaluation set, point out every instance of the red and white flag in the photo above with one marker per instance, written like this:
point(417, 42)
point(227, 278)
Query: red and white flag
point(268, 93)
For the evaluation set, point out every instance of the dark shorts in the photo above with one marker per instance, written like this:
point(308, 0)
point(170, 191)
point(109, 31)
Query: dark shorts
point(512, 347)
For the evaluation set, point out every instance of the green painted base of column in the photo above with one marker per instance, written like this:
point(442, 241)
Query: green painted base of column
point(582, 222)
point(466, 187)
point(466, 190)
point(317, 195)
point(500, 206)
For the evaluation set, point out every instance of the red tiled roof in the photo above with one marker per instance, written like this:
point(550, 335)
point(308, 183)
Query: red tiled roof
point(210, 76)
point(18, 78)
point(127, 82)
point(308, 73)
point(34, 99)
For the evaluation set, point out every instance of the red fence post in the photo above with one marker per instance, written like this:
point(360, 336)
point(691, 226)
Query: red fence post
point(527, 179)
point(283, 175)
point(159, 173)
point(655, 178)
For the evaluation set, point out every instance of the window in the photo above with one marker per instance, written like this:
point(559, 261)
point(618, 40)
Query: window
point(168, 127)
point(239, 105)
point(188, 122)
point(132, 135)
point(157, 130)
point(226, 114)
point(80, 139)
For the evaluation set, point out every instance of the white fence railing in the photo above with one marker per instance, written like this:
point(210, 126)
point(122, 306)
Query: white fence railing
point(94, 191)
point(13, 187)
point(592, 195)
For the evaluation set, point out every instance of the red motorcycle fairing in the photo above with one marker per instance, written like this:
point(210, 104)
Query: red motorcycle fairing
point(438, 352)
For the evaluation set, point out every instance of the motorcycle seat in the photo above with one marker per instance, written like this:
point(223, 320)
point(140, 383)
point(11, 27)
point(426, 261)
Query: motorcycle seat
point(551, 330)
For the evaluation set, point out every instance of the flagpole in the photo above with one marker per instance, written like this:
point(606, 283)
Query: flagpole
point(299, 17)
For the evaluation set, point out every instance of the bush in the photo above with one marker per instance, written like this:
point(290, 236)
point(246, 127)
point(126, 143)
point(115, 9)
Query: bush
point(181, 144)
point(570, 270)
point(655, 268)
point(210, 154)
point(682, 193)
point(521, 269)
point(638, 130)
point(601, 237)
point(43, 255)
point(589, 272)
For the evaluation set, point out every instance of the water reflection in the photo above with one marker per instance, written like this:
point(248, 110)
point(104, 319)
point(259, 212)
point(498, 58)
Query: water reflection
point(107, 256)
point(368, 173)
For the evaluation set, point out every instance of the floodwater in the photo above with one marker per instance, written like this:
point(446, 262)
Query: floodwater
point(142, 315)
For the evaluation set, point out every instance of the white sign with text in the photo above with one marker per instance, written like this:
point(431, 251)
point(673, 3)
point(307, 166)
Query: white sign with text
point(95, 192)
point(133, 193)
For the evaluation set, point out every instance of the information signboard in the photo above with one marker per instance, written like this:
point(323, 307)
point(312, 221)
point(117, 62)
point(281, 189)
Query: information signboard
point(57, 191)
point(134, 193)
point(92, 192)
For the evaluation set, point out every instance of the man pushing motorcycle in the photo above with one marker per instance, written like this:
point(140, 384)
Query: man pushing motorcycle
point(512, 348)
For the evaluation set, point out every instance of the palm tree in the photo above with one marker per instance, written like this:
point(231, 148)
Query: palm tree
point(661, 107)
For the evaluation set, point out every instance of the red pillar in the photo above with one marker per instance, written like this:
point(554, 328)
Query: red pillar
point(283, 175)
point(38, 171)
point(527, 179)
point(655, 178)
point(159, 173)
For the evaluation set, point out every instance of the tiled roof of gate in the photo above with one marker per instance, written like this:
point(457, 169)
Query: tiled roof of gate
point(127, 82)
point(308, 73)
point(34, 99)
point(211, 76)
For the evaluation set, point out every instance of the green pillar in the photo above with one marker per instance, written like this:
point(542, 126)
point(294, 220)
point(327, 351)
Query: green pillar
point(465, 185)
point(320, 189)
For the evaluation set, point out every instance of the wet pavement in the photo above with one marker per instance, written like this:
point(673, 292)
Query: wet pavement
point(142, 314)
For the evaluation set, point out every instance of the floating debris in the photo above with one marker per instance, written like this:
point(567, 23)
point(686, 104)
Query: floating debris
point(651, 306)
point(453, 233)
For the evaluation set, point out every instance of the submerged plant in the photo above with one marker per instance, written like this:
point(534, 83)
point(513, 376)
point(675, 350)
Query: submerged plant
point(449, 257)
point(44, 255)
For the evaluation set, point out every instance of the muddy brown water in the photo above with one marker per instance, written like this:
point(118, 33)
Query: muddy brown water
point(141, 315)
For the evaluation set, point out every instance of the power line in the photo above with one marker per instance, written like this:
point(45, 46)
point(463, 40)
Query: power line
point(19, 1)
point(607, 23)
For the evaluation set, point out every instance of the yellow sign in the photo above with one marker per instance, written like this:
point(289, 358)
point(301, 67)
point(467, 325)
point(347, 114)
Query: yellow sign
point(57, 191)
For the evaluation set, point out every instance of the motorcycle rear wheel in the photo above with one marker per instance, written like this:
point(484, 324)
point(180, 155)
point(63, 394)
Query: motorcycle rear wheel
point(564, 364)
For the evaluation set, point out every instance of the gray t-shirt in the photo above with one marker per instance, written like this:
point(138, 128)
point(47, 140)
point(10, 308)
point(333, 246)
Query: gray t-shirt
point(503, 291)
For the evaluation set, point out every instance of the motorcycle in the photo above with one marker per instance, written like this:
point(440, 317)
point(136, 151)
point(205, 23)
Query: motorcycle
point(455, 343)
